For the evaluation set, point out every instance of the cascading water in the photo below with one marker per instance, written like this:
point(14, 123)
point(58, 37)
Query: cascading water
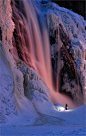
point(34, 47)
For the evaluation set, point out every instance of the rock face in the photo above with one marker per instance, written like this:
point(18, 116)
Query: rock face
point(69, 74)
point(19, 38)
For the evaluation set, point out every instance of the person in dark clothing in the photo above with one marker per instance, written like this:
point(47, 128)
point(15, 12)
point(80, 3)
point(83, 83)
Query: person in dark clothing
point(66, 107)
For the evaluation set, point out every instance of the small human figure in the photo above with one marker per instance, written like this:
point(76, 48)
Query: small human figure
point(66, 107)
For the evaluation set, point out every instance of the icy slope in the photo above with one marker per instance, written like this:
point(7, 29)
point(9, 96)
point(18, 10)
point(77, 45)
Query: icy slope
point(73, 124)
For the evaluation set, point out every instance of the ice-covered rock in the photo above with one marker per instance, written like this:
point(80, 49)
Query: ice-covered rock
point(7, 98)
point(73, 26)
point(36, 90)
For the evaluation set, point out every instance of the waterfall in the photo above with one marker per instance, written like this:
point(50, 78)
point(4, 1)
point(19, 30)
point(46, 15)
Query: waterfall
point(34, 47)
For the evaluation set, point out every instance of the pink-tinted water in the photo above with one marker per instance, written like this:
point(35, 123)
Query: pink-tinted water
point(38, 48)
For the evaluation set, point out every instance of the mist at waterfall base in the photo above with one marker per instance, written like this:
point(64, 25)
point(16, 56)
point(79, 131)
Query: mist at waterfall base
point(35, 47)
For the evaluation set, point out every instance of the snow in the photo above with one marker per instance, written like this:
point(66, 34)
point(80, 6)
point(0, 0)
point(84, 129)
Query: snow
point(59, 107)
point(68, 123)
point(43, 131)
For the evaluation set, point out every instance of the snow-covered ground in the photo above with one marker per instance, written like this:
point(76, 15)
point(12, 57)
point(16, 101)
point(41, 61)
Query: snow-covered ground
point(65, 123)
point(43, 131)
